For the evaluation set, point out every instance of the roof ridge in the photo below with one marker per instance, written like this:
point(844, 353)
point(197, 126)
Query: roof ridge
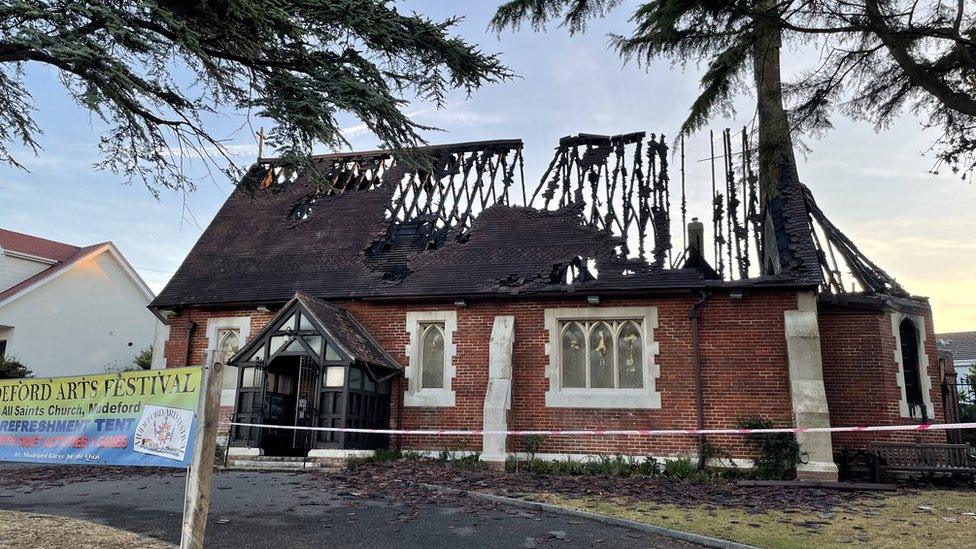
point(36, 245)
point(61, 265)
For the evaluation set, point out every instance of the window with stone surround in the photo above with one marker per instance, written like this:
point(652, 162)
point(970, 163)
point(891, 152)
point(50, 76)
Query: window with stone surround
point(432, 356)
point(602, 357)
point(225, 335)
point(604, 354)
point(912, 378)
point(430, 353)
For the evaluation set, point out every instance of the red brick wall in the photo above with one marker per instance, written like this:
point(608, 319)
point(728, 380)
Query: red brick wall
point(860, 376)
point(179, 328)
point(744, 369)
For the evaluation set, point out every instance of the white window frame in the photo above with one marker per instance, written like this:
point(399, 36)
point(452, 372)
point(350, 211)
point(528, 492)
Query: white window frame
point(646, 397)
point(228, 397)
point(923, 365)
point(417, 396)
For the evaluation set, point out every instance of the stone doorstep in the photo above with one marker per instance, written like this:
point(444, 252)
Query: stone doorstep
point(272, 459)
point(272, 463)
point(271, 468)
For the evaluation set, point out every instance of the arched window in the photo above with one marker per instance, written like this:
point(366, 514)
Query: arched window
point(228, 343)
point(908, 333)
point(610, 356)
point(432, 357)
point(574, 356)
point(630, 361)
point(601, 356)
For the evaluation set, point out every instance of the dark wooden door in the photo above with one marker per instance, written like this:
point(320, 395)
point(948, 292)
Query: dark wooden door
point(250, 406)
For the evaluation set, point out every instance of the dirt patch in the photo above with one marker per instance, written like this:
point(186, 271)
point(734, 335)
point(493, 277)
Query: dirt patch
point(33, 531)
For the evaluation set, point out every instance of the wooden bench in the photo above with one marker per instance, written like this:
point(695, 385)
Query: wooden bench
point(955, 459)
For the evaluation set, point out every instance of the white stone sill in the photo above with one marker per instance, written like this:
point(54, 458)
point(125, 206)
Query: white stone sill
point(429, 398)
point(636, 399)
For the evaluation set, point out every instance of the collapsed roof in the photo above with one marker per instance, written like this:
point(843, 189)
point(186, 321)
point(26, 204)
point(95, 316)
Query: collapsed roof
point(439, 223)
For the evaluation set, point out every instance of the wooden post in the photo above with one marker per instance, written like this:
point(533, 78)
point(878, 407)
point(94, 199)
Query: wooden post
point(197, 504)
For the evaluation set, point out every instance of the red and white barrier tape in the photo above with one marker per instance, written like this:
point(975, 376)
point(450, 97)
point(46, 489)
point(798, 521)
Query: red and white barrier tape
point(630, 432)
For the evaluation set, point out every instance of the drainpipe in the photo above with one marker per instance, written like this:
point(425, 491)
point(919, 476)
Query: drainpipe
point(695, 315)
point(190, 330)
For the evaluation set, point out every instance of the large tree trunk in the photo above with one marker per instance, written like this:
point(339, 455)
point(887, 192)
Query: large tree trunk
point(776, 163)
point(775, 156)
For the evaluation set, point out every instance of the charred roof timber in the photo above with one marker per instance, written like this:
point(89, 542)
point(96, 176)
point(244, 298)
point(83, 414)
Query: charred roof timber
point(445, 221)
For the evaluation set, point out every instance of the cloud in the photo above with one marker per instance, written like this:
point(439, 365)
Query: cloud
point(459, 115)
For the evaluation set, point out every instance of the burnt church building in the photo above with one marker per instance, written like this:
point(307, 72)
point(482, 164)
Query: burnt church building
point(438, 289)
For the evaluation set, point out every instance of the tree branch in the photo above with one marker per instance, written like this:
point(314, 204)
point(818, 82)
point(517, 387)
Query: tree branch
point(952, 99)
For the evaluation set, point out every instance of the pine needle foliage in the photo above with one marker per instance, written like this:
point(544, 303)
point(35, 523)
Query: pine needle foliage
point(878, 58)
point(153, 71)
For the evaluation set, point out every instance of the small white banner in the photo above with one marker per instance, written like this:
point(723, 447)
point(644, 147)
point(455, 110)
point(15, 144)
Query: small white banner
point(163, 432)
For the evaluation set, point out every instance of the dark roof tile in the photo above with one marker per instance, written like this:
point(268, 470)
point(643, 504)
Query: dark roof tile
point(962, 344)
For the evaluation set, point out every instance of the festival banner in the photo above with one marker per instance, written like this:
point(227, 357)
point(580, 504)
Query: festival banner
point(142, 418)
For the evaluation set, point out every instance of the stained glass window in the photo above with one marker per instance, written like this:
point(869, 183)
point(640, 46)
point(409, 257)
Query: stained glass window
point(228, 342)
point(574, 356)
point(630, 361)
point(432, 356)
point(601, 356)
point(604, 354)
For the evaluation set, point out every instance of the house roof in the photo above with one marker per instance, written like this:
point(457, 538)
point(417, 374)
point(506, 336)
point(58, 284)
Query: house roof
point(370, 235)
point(962, 345)
point(47, 274)
point(348, 332)
point(37, 247)
point(340, 326)
point(252, 252)
point(57, 252)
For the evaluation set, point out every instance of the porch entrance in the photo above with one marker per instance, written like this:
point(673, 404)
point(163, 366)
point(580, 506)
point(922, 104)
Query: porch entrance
point(289, 399)
point(298, 372)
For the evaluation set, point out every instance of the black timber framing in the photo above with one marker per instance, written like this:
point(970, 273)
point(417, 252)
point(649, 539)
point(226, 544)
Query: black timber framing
point(350, 385)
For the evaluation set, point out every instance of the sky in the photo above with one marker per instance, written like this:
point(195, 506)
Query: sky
point(875, 186)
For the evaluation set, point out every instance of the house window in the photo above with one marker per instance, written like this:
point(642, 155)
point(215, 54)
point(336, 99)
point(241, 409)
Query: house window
point(225, 336)
point(3, 347)
point(602, 358)
point(909, 357)
point(605, 354)
point(430, 367)
point(912, 378)
point(432, 356)
point(228, 343)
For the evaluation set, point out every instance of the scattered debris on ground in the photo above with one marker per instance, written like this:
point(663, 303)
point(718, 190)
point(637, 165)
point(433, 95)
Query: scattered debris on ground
point(766, 516)
point(407, 477)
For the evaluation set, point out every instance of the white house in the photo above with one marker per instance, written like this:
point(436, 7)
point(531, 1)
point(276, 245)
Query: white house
point(69, 310)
